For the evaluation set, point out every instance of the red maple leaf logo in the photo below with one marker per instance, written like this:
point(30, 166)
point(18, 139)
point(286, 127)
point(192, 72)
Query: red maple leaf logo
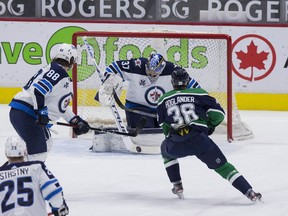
point(252, 59)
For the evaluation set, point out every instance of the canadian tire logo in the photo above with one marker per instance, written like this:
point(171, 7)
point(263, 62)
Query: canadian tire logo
point(253, 57)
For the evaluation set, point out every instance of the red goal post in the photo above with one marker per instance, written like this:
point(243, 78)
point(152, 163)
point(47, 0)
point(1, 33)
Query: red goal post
point(206, 57)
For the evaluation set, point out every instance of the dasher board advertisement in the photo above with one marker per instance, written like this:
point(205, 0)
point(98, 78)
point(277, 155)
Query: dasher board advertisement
point(259, 54)
point(219, 11)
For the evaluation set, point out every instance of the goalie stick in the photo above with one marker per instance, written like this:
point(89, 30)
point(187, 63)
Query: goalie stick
point(133, 133)
point(130, 146)
point(122, 106)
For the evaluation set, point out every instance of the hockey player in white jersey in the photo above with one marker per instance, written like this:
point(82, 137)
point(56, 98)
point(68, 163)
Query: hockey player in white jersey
point(24, 186)
point(46, 97)
point(148, 79)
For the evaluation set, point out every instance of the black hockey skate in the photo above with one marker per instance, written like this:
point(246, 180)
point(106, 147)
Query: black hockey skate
point(178, 190)
point(254, 197)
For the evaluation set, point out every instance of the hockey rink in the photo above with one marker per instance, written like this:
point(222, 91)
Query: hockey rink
point(120, 184)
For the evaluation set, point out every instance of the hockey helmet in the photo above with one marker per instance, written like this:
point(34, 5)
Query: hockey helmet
point(179, 78)
point(154, 66)
point(67, 52)
point(15, 147)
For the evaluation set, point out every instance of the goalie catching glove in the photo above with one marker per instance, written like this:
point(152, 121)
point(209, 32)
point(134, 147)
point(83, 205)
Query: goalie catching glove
point(105, 93)
point(81, 126)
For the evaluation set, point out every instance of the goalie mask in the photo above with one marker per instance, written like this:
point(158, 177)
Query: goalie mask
point(15, 147)
point(154, 66)
point(67, 52)
point(179, 78)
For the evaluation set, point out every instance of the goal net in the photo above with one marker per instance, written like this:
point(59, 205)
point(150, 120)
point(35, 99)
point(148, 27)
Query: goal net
point(206, 57)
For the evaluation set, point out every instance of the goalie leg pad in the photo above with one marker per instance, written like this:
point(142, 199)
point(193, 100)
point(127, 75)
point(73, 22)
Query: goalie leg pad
point(107, 143)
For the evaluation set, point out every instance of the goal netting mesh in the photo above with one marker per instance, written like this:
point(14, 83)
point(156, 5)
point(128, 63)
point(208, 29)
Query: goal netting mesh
point(206, 57)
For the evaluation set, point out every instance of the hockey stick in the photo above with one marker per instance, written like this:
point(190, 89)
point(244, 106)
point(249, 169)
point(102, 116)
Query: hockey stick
point(122, 106)
point(133, 133)
point(130, 146)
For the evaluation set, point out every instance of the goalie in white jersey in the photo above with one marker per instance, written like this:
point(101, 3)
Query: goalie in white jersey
point(46, 97)
point(148, 79)
point(24, 186)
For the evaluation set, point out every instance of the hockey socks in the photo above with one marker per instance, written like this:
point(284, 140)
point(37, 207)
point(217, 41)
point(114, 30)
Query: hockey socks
point(172, 169)
point(228, 171)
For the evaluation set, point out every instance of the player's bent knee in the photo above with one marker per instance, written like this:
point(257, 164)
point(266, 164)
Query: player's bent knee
point(225, 170)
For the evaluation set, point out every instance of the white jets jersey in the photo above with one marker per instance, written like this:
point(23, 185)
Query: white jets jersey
point(25, 186)
point(50, 86)
point(141, 91)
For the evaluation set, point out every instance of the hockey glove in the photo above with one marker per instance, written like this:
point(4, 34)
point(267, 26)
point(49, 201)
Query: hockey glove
point(62, 211)
point(105, 95)
point(211, 130)
point(81, 126)
point(42, 116)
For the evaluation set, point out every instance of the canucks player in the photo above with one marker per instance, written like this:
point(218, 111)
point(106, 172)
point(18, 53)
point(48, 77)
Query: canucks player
point(188, 117)
point(46, 97)
point(24, 186)
point(148, 79)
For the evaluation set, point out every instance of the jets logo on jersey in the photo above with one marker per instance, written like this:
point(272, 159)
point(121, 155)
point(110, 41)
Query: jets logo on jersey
point(153, 94)
point(64, 102)
point(138, 63)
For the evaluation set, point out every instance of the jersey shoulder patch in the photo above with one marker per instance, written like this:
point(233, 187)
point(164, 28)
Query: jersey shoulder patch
point(137, 66)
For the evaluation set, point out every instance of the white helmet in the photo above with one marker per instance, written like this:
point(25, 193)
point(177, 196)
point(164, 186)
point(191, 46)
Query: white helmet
point(67, 52)
point(15, 147)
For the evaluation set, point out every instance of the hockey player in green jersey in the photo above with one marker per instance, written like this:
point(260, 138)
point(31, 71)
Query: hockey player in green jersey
point(188, 117)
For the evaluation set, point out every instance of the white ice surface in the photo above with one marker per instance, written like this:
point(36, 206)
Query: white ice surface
point(119, 184)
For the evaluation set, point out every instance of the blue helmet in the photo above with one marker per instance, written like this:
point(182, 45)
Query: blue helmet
point(154, 66)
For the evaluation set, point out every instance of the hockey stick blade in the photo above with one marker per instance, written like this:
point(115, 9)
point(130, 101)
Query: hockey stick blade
point(122, 106)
